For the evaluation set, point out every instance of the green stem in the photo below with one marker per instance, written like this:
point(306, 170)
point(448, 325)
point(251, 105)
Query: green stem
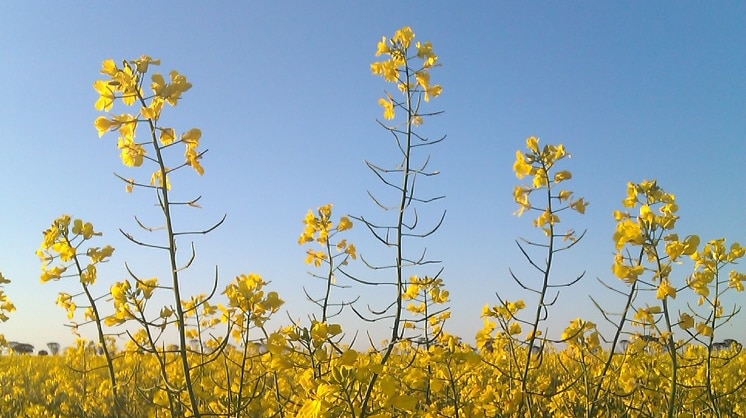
point(399, 239)
point(100, 330)
point(544, 287)
point(166, 206)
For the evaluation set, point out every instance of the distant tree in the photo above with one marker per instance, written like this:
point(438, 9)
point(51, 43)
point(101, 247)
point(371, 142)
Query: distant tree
point(726, 344)
point(43, 353)
point(21, 348)
point(54, 348)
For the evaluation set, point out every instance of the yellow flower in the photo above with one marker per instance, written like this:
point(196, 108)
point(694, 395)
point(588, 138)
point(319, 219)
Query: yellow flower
point(193, 157)
point(191, 137)
point(388, 108)
point(109, 67)
point(520, 195)
point(157, 179)
point(425, 52)
point(351, 251)
point(735, 280)
point(631, 199)
point(423, 78)
point(103, 125)
point(147, 286)
point(153, 111)
point(66, 301)
point(562, 176)
point(84, 229)
point(171, 92)
point(130, 185)
point(699, 282)
point(579, 205)
point(97, 255)
point(521, 166)
point(166, 312)
point(439, 296)
point(383, 47)
point(413, 290)
point(126, 82)
point(540, 178)
point(168, 136)
point(52, 274)
point(433, 91)
point(272, 302)
point(389, 70)
point(315, 257)
point(142, 63)
point(65, 250)
point(119, 291)
point(628, 231)
point(106, 95)
point(557, 152)
point(404, 35)
point(736, 252)
point(88, 276)
point(132, 153)
point(348, 359)
point(686, 321)
point(665, 289)
point(326, 211)
point(546, 218)
point(626, 272)
point(305, 237)
point(646, 214)
point(704, 329)
point(344, 224)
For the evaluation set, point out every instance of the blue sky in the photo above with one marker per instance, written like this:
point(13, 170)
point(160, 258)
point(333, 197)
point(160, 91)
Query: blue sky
point(287, 105)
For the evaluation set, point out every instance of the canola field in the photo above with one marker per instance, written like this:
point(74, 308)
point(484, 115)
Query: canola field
point(663, 359)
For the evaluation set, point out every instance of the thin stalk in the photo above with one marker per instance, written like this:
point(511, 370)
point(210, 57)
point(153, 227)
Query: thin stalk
point(399, 240)
point(166, 207)
point(630, 297)
point(710, 393)
point(101, 337)
point(544, 287)
point(328, 280)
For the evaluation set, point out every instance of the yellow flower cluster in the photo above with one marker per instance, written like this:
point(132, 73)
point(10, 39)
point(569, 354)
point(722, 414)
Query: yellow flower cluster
point(656, 214)
point(539, 163)
point(425, 294)
point(398, 69)
point(660, 249)
point(248, 304)
point(126, 84)
point(319, 227)
point(6, 306)
point(62, 241)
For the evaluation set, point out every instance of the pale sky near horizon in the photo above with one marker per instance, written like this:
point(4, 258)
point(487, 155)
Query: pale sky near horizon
point(287, 105)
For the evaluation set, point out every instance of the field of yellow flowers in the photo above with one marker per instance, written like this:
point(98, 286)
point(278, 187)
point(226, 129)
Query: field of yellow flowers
point(662, 360)
point(447, 379)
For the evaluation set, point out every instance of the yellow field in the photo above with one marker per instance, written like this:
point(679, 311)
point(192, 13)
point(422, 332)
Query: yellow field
point(446, 380)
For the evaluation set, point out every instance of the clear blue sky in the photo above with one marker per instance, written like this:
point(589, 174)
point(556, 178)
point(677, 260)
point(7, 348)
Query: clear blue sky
point(287, 105)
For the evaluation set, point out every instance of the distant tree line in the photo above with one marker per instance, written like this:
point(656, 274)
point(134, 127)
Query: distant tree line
point(24, 348)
